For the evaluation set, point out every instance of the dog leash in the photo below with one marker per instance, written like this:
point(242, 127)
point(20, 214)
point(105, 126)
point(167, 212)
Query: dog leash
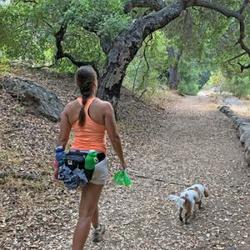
point(155, 179)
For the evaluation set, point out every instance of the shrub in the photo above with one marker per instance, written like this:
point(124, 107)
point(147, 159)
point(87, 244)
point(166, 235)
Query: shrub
point(188, 88)
point(238, 85)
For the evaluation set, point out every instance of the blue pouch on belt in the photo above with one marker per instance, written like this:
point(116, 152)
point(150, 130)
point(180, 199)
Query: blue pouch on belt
point(72, 172)
point(72, 178)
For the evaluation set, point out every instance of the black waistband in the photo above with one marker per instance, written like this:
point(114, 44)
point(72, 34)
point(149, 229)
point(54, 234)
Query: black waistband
point(100, 156)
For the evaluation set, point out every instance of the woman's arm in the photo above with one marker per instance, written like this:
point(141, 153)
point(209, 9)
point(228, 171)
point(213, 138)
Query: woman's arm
point(110, 124)
point(65, 128)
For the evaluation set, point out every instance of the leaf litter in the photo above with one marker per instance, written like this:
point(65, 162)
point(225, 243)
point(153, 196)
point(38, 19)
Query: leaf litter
point(184, 141)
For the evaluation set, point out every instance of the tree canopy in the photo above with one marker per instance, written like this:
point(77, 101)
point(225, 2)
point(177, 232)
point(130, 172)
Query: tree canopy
point(155, 38)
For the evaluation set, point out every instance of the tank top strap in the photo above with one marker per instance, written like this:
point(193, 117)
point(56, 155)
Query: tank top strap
point(88, 103)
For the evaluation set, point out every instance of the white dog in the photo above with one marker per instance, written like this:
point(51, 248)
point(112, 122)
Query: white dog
point(188, 198)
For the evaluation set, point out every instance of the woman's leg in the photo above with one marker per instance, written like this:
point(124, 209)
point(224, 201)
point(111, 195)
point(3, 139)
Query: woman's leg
point(95, 218)
point(88, 207)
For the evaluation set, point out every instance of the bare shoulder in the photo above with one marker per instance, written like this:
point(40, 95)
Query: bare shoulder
point(71, 106)
point(104, 105)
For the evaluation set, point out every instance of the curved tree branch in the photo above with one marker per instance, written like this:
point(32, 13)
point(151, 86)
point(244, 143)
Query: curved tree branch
point(235, 57)
point(228, 13)
point(238, 15)
point(243, 67)
point(243, 7)
point(61, 54)
point(146, 60)
point(242, 36)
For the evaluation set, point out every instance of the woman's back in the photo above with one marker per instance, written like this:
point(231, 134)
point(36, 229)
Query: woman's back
point(92, 134)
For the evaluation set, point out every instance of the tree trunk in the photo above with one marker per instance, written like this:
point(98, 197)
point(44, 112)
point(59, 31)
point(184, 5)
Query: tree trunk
point(173, 74)
point(174, 78)
point(126, 46)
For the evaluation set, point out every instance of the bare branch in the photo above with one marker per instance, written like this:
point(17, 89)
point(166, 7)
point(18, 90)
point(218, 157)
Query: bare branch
point(61, 54)
point(243, 67)
point(145, 58)
point(151, 4)
point(27, 1)
point(142, 93)
point(30, 1)
point(240, 55)
point(244, 5)
point(213, 6)
point(242, 36)
point(228, 13)
point(48, 24)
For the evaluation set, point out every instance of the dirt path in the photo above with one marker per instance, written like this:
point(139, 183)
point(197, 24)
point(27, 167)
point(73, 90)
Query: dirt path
point(193, 143)
point(188, 142)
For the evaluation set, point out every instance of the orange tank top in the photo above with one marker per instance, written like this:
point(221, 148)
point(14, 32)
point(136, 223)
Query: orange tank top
point(91, 136)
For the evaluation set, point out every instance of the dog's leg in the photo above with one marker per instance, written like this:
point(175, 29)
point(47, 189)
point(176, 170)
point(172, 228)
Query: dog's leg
point(199, 204)
point(187, 216)
point(188, 211)
point(180, 214)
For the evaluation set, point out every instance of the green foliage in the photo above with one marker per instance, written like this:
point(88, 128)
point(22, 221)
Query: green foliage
point(149, 73)
point(4, 63)
point(188, 88)
point(189, 78)
point(208, 36)
point(205, 37)
point(238, 85)
point(29, 29)
point(193, 77)
point(217, 79)
point(113, 25)
point(233, 82)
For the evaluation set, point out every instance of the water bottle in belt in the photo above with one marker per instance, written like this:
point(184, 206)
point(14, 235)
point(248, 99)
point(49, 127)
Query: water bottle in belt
point(91, 160)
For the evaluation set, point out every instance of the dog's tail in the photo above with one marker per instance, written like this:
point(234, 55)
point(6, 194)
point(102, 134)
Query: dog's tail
point(178, 200)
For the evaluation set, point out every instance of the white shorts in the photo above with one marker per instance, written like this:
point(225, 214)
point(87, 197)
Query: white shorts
point(100, 173)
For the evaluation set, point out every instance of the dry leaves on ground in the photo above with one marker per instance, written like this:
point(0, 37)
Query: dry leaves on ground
point(186, 142)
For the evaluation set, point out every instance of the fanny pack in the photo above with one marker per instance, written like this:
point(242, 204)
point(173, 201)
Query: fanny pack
point(76, 159)
point(73, 172)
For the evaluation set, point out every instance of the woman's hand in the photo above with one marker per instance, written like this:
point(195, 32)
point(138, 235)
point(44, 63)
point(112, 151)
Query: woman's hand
point(124, 166)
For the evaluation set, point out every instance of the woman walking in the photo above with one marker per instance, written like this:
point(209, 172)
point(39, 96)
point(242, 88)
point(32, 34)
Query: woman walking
point(89, 118)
